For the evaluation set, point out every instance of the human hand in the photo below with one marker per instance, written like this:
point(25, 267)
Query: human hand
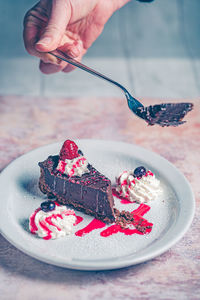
point(69, 25)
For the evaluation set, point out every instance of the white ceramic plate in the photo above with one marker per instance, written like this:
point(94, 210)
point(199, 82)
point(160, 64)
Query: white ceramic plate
point(171, 214)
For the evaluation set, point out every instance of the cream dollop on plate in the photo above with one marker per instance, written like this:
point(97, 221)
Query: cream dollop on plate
point(53, 224)
point(137, 189)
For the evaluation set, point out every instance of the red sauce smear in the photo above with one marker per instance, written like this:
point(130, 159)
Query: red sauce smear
point(48, 231)
point(117, 228)
point(33, 226)
point(123, 199)
point(48, 220)
point(113, 229)
point(78, 220)
point(138, 213)
point(94, 224)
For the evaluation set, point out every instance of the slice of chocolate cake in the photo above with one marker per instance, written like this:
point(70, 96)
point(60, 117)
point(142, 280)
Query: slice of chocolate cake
point(73, 181)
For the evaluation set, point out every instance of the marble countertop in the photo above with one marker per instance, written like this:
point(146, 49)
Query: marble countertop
point(30, 122)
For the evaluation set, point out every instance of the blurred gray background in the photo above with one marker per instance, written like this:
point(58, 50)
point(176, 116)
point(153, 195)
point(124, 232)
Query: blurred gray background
point(151, 48)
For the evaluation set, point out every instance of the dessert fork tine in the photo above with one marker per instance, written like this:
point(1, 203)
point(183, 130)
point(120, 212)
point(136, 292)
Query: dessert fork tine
point(165, 114)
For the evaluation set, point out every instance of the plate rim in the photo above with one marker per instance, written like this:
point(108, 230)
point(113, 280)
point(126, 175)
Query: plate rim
point(88, 266)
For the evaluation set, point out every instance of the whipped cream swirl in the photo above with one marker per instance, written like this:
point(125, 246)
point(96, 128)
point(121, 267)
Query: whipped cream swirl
point(137, 189)
point(52, 224)
point(73, 167)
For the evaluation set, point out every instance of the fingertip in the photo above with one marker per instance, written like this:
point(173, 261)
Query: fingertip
point(76, 49)
point(68, 68)
point(48, 68)
point(40, 48)
point(44, 45)
point(73, 50)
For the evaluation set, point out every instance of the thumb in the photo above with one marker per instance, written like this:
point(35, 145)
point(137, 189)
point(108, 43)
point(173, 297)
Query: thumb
point(59, 18)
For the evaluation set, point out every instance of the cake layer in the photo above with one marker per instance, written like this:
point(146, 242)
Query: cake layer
point(90, 193)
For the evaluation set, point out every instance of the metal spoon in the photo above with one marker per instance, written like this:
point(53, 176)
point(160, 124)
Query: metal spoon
point(165, 114)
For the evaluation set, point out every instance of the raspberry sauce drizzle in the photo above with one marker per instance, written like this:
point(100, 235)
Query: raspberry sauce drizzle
point(123, 200)
point(33, 227)
point(78, 220)
point(48, 231)
point(138, 220)
point(94, 224)
point(115, 228)
point(48, 220)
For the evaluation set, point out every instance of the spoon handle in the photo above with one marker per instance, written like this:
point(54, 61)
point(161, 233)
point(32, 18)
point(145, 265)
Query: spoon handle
point(59, 54)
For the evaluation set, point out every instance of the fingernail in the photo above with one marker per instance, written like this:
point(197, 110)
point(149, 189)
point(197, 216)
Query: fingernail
point(75, 49)
point(45, 41)
point(79, 45)
point(73, 52)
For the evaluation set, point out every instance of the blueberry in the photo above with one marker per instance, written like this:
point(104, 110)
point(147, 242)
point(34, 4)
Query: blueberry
point(47, 206)
point(139, 172)
point(80, 152)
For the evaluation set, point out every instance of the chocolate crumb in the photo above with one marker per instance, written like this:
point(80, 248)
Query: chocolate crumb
point(125, 218)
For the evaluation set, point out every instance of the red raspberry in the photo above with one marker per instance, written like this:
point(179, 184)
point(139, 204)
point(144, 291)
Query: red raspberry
point(69, 150)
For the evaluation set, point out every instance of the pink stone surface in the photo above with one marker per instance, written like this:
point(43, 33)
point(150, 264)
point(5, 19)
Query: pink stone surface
point(27, 123)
